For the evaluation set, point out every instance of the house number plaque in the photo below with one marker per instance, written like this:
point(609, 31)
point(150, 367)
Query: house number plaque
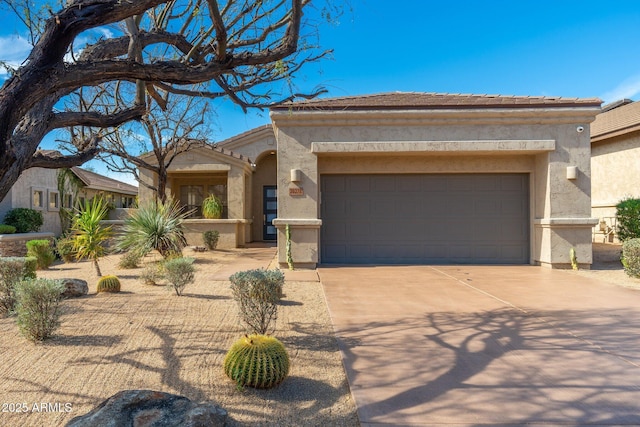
point(296, 191)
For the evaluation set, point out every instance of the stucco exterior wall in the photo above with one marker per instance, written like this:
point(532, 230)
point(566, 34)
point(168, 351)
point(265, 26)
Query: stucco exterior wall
point(207, 167)
point(20, 196)
point(543, 143)
point(253, 145)
point(611, 182)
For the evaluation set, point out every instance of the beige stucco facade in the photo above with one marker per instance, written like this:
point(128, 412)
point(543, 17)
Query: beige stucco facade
point(21, 196)
point(541, 142)
point(615, 154)
point(612, 181)
point(238, 168)
point(49, 200)
point(547, 142)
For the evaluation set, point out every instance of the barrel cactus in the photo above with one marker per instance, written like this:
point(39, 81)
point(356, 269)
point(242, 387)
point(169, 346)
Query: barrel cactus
point(257, 361)
point(109, 284)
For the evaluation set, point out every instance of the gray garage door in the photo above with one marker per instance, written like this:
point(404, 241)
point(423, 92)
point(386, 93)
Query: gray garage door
point(425, 219)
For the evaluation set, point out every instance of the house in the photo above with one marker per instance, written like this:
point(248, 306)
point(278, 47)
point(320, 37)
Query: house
point(615, 142)
point(405, 178)
point(37, 188)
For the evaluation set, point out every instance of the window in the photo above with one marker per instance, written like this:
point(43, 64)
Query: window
point(191, 197)
point(54, 201)
point(220, 191)
point(67, 201)
point(128, 201)
point(37, 198)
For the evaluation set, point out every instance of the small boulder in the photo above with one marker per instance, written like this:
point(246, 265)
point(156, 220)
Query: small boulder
point(147, 408)
point(74, 288)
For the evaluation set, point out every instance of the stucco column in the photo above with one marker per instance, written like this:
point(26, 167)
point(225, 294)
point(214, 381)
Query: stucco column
point(298, 200)
point(563, 200)
point(235, 193)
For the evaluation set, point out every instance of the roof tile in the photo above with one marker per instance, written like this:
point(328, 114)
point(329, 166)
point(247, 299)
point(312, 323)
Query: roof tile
point(616, 121)
point(419, 100)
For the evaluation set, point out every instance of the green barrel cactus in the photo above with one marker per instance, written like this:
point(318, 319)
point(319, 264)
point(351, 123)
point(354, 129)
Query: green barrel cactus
point(257, 361)
point(109, 284)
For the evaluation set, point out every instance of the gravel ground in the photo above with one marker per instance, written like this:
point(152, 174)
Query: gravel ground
point(146, 337)
point(607, 266)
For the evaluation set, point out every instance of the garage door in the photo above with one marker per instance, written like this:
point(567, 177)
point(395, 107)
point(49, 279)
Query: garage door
point(425, 219)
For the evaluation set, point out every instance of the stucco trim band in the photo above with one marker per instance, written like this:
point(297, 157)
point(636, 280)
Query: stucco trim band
point(449, 147)
point(297, 222)
point(566, 222)
point(26, 236)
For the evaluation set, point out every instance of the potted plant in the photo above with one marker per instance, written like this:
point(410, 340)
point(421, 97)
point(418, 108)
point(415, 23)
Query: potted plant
point(212, 207)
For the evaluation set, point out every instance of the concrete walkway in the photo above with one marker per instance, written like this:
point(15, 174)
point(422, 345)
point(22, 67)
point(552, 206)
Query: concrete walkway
point(485, 345)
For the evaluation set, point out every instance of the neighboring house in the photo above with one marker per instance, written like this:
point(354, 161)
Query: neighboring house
point(37, 188)
point(405, 178)
point(615, 160)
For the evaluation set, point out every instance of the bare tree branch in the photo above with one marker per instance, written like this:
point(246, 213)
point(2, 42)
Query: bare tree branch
point(236, 49)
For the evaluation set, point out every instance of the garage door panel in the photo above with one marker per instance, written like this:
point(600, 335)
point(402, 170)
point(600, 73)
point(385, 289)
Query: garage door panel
point(358, 183)
point(380, 184)
point(486, 183)
point(395, 219)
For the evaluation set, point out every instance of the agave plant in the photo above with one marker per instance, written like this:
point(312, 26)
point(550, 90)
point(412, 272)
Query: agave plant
point(155, 225)
point(89, 236)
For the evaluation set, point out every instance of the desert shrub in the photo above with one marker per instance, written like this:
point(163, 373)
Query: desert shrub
point(25, 220)
point(13, 270)
point(154, 226)
point(210, 238)
point(30, 267)
point(64, 248)
point(152, 274)
point(257, 361)
point(179, 272)
point(257, 293)
point(108, 284)
point(628, 214)
point(38, 307)
point(42, 251)
point(7, 229)
point(212, 207)
point(631, 257)
point(130, 259)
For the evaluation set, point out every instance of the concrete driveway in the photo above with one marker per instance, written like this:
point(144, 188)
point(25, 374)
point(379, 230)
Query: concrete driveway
point(486, 345)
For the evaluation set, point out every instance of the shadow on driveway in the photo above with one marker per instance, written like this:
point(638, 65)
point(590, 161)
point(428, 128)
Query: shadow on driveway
point(455, 345)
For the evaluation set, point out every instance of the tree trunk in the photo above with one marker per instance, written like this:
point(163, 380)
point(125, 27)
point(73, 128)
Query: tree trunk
point(95, 264)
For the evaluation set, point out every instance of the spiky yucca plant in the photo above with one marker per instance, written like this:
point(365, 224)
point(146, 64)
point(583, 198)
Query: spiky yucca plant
point(109, 284)
point(154, 225)
point(257, 361)
point(89, 236)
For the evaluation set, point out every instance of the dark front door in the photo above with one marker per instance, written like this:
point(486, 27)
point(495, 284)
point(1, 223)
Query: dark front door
point(270, 211)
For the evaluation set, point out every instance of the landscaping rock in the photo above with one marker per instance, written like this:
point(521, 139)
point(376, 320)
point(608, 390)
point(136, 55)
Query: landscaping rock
point(147, 408)
point(74, 288)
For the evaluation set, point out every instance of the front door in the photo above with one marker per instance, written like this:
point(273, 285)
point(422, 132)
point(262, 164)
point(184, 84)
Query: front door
point(270, 211)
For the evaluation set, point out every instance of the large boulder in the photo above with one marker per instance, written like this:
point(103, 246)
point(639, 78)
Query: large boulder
point(74, 288)
point(148, 408)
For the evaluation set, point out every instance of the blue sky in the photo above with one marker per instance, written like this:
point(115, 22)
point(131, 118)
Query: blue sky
point(558, 48)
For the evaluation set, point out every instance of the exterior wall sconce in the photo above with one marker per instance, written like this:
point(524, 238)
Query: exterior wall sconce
point(572, 172)
point(296, 175)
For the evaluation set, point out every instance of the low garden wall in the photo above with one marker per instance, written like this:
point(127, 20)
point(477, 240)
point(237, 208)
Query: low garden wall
point(232, 231)
point(16, 244)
